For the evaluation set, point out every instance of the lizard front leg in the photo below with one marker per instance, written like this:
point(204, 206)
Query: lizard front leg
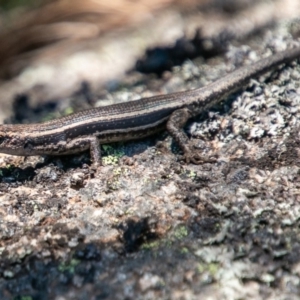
point(175, 126)
point(95, 151)
point(83, 143)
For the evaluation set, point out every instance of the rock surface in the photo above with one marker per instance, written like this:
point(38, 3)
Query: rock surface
point(149, 226)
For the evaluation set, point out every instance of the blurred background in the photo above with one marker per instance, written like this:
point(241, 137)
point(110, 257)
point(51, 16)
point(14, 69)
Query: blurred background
point(52, 50)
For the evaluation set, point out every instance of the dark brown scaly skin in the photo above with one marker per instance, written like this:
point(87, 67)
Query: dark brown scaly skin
point(131, 120)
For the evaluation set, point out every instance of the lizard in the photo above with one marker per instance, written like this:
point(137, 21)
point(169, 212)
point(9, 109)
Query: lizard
point(88, 129)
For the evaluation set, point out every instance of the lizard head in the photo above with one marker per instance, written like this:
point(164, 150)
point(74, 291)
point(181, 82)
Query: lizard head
point(11, 141)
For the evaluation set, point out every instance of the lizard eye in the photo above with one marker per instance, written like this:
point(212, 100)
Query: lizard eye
point(2, 139)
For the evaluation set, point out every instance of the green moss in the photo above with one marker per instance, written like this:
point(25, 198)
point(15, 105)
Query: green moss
point(150, 245)
point(69, 267)
point(113, 155)
point(68, 111)
point(110, 160)
point(117, 171)
point(112, 185)
point(188, 174)
point(191, 174)
point(184, 250)
point(211, 268)
point(180, 232)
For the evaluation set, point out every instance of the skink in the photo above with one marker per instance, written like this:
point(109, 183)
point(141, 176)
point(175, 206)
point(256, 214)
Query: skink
point(131, 120)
